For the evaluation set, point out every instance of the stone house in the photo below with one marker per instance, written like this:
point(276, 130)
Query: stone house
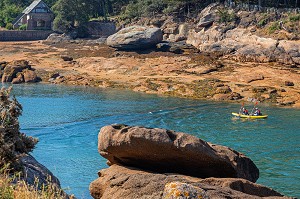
point(37, 16)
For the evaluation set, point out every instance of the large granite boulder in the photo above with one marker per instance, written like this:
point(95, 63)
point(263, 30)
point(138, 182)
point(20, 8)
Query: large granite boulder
point(59, 38)
point(292, 48)
point(208, 15)
point(135, 37)
point(129, 182)
point(30, 76)
point(166, 151)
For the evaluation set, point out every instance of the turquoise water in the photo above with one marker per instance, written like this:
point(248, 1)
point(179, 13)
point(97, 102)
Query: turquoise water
point(67, 121)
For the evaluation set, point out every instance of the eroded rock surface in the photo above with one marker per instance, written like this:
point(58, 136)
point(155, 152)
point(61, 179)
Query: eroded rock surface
point(130, 183)
point(162, 150)
point(17, 72)
point(33, 170)
point(244, 46)
point(135, 37)
point(162, 164)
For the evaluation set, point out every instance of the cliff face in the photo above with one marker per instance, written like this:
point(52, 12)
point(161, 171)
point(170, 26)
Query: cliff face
point(159, 163)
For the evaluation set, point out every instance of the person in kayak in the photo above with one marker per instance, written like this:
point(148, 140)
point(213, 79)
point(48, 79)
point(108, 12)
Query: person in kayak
point(245, 111)
point(257, 112)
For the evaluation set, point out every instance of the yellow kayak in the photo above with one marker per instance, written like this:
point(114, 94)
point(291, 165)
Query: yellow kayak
point(250, 116)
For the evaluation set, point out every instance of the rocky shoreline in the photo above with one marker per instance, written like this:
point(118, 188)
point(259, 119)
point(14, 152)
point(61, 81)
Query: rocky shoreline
point(190, 74)
point(238, 60)
point(159, 163)
point(201, 59)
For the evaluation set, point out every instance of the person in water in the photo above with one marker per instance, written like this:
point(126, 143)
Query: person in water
point(257, 112)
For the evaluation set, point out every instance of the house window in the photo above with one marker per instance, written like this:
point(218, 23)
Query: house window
point(40, 10)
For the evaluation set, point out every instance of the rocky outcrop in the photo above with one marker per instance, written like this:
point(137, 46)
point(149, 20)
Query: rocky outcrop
point(240, 41)
point(162, 150)
point(30, 76)
point(159, 163)
point(207, 15)
point(176, 47)
point(135, 37)
point(18, 72)
point(33, 170)
point(58, 38)
point(129, 183)
point(37, 175)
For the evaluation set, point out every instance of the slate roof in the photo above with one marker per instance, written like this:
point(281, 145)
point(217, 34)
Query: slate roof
point(18, 18)
point(32, 6)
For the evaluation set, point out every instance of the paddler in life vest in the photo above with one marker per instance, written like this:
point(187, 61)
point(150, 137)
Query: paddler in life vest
point(245, 111)
point(257, 112)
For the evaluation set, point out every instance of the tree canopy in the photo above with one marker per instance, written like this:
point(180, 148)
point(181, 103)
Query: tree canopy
point(74, 13)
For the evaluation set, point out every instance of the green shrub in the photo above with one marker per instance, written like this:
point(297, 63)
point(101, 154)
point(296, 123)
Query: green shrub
point(294, 17)
point(273, 27)
point(263, 20)
point(9, 26)
point(131, 11)
point(12, 143)
point(23, 27)
point(147, 8)
point(12, 187)
point(225, 16)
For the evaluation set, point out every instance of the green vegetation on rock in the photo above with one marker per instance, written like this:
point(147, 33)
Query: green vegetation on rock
point(12, 143)
point(225, 16)
point(11, 187)
point(74, 14)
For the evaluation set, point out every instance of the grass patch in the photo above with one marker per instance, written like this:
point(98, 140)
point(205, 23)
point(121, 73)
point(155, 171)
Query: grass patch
point(11, 187)
point(274, 27)
point(294, 18)
point(225, 16)
point(262, 22)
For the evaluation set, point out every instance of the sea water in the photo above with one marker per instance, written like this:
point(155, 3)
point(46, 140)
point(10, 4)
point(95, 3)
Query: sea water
point(67, 121)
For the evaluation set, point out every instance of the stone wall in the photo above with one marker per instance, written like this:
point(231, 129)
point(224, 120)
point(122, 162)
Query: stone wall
point(98, 29)
point(29, 35)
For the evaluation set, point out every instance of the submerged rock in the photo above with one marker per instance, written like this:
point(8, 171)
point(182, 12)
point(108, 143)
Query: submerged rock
point(162, 150)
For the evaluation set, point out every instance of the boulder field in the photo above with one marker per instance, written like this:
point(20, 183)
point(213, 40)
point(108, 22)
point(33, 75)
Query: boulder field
point(17, 72)
point(160, 163)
